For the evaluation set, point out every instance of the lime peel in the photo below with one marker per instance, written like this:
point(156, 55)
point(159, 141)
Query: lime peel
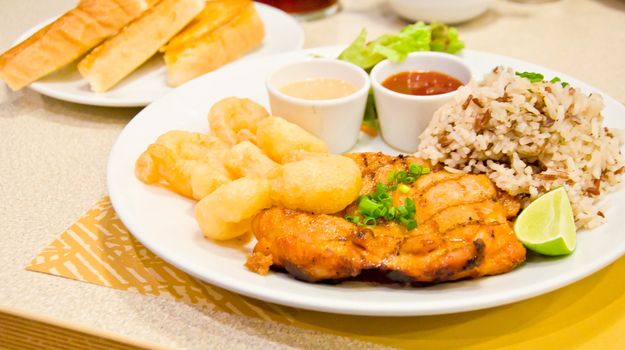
point(547, 225)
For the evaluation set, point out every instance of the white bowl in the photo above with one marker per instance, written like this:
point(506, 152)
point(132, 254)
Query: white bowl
point(448, 11)
point(404, 117)
point(335, 121)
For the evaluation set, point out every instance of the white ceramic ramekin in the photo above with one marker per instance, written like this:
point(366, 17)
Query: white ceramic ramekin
point(335, 121)
point(403, 117)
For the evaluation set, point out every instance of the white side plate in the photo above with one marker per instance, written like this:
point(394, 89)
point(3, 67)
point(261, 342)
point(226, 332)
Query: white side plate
point(164, 222)
point(149, 82)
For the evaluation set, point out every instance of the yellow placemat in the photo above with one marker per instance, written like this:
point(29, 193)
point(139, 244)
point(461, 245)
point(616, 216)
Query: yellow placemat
point(589, 314)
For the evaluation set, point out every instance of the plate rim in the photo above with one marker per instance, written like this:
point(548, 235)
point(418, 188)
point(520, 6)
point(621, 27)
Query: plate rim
point(94, 100)
point(231, 284)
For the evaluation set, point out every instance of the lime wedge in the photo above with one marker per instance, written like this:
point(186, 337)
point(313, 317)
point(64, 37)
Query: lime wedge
point(547, 225)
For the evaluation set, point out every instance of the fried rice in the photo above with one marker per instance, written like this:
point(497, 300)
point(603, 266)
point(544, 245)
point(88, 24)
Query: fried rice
point(529, 138)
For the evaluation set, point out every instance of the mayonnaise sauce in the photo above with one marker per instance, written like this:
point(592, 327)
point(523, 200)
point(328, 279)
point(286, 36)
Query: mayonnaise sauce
point(319, 89)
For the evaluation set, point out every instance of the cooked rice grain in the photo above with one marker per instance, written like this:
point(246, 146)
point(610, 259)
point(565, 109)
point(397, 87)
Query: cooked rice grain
point(529, 138)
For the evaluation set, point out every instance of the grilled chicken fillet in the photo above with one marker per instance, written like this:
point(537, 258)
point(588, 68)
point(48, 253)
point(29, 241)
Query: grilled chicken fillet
point(463, 232)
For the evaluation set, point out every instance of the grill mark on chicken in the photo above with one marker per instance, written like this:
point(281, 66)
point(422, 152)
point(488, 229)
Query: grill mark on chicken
point(459, 235)
point(424, 196)
point(427, 187)
point(477, 223)
point(471, 220)
point(475, 261)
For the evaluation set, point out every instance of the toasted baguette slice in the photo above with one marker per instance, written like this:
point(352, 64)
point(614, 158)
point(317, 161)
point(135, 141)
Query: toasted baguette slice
point(215, 14)
point(195, 51)
point(66, 39)
point(118, 56)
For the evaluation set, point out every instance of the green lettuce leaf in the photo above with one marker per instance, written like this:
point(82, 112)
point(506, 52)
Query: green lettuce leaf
point(370, 120)
point(445, 39)
point(414, 37)
point(360, 53)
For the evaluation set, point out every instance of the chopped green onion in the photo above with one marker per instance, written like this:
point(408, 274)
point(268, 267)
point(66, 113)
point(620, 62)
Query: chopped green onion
point(403, 188)
point(410, 205)
point(352, 218)
point(411, 224)
point(391, 214)
point(557, 80)
point(537, 78)
point(369, 221)
point(409, 179)
point(391, 176)
point(418, 170)
point(368, 207)
point(378, 205)
point(531, 76)
point(403, 220)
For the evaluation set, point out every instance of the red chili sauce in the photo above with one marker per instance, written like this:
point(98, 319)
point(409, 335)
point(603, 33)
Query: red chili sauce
point(421, 83)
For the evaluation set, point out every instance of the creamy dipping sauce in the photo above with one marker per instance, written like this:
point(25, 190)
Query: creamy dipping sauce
point(319, 89)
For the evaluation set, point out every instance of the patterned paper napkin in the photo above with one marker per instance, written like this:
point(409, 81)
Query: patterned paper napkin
point(99, 249)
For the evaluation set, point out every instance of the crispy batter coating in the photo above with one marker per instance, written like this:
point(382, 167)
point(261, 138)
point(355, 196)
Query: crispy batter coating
point(227, 212)
point(190, 164)
point(324, 184)
point(246, 159)
point(279, 138)
point(234, 119)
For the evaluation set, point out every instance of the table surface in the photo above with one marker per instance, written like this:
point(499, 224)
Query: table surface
point(53, 157)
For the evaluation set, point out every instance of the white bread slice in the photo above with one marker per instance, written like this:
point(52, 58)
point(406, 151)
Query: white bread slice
point(120, 55)
point(208, 43)
point(66, 39)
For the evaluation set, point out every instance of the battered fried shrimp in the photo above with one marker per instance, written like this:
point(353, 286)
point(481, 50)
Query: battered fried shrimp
point(248, 145)
point(182, 144)
point(279, 138)
point(246, 159)
point(297, 155)
point(234, 119)
point(159, 164)
point(205, 179)
point(246, 135)
point(190, 178)
point(323, 184)
point(190, 145)
point(146, 169)
point(227, 212)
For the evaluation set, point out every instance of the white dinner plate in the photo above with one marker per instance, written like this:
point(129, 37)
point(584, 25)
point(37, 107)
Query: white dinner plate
point(149, 82)
point(164, 222)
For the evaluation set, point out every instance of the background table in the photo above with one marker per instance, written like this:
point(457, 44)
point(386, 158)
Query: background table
point(52, 168)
